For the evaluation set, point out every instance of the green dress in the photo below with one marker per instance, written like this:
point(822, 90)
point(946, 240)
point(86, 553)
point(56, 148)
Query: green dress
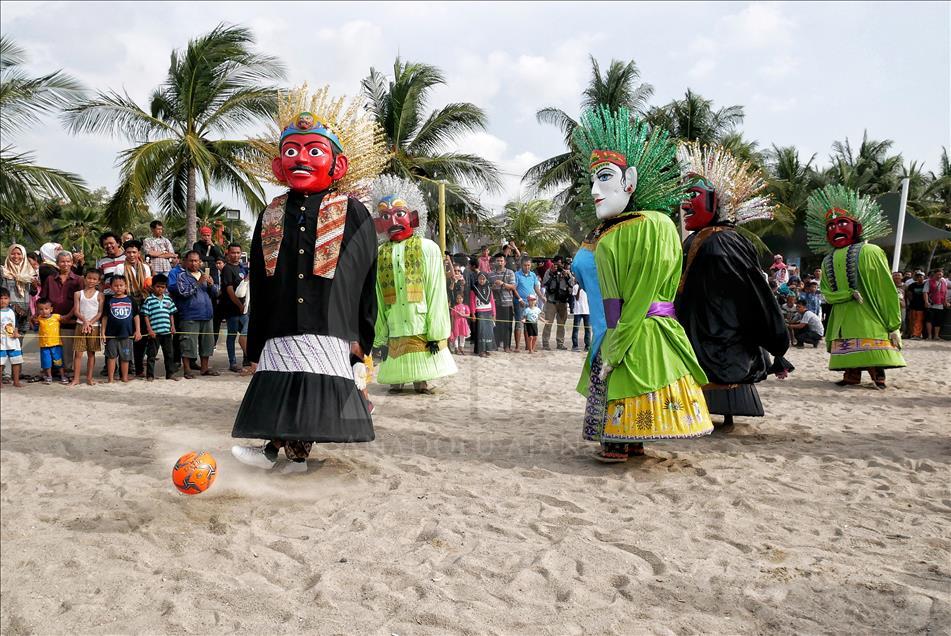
point(653, 391)
point(405, 327)
point(857, 333)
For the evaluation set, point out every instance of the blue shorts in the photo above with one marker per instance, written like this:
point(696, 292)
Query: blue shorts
point(15, 355)
point(51, 357)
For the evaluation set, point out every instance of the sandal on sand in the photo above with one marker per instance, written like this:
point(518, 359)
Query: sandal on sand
point(211, 372)
point(610, 458)
point(188, 375)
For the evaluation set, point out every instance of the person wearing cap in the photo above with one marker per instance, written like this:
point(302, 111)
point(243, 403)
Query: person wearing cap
point(209, 252)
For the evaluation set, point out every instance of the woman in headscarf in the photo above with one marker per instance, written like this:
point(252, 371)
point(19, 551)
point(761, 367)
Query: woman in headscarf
point(20, 279)
point(48, 254)
point(482, 307)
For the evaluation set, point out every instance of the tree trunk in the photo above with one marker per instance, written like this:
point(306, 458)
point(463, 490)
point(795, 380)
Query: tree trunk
point(934, 248)
point(191, 212)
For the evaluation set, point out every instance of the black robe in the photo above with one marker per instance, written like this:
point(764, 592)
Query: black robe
point(732, 320)
point(302, 405)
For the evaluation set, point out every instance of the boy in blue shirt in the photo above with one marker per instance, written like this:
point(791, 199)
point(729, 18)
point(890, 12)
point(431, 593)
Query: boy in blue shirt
point(120, 326)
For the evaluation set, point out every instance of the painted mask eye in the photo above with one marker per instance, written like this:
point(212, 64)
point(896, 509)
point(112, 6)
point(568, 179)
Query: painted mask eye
point(315, 152)
point(401, 214)
point(291, 152)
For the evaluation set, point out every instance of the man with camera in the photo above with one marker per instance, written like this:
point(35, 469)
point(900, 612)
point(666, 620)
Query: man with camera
point(557, 284)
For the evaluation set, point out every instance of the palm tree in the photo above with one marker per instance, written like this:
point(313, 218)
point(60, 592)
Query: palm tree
point(78, 227)
point(527, 223)
point(217, 84)
point(419, 141)
point(23, 100)
point(870, 170)
point(207, 213)
point(619, 86)
point(693, 118)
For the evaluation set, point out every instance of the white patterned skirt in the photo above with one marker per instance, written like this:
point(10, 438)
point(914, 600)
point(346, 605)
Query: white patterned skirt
point(303, 389)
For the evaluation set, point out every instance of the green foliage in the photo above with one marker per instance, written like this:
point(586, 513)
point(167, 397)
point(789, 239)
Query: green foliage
point(216, 85)
point(693, 118)
point(25, 186)
point(419, 141)
point(530, 225)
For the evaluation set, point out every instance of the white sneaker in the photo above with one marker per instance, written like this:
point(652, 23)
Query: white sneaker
point(293, 468)
point(252, 456)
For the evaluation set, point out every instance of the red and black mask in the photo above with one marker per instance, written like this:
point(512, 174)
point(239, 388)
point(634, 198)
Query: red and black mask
point(841, 229)
point(311, 158)
point(700, 208)
point(395, 219)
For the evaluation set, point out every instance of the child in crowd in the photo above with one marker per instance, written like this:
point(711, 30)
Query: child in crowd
point(531, 314)
point(9, 338)
point(460, 325)
point(87, 306)
point(160, 325)
point(790, 313)
point(51, 342)
point(120, 324)
point(811, 295)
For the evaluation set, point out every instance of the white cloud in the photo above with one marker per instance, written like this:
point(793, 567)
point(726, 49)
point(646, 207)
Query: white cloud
point(779, 67)
point(757, 25)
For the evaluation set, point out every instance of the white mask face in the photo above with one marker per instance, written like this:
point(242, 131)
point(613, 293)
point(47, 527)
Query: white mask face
point(612, 189)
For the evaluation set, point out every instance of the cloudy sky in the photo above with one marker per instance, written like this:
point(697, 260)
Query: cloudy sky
point(806, 73)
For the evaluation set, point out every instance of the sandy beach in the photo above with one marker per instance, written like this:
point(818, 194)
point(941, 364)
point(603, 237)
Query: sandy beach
point(481, 511)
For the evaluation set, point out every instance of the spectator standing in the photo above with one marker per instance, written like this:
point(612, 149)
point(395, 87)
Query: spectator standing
point(807, 328)
point(512, 256)
point(917, 299)
point(208, 252)
point(460, 325)
point(485, 261)
point(114, 257)
point(120, 324)
point(136, 274)
point(21, 281)
point(532, 312)
point(812, 296)
point(937, 301)
point(60, 289)
point(51, 342)
point(231, 307)
point(900, 289)
point(47, 258)
point(557, 284)
point(503, 285)
point(526, 284)
point(778, 270)
point(158, 249)
point(87, 307)
point(10, 347)
point(158, 313)
point(457, 285)
point(482, 308)
point(196, 312)
point(581, 318)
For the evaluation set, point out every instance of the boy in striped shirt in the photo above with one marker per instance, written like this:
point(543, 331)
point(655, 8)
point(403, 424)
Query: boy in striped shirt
point(160, 326)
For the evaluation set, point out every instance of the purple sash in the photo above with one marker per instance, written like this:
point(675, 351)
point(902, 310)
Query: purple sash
point(612, 311)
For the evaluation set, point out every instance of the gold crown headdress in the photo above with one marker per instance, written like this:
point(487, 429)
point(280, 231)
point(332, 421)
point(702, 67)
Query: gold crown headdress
point(361, 138)
point(737, 183)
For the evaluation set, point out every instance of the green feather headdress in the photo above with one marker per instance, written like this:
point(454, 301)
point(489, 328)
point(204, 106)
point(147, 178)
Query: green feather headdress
point(652, 152)
point(835, 201)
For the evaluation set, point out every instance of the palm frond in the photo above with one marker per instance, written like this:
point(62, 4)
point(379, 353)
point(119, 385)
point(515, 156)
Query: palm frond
point(445, 125)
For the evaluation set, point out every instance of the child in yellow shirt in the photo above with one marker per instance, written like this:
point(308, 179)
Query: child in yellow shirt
point(51, 343)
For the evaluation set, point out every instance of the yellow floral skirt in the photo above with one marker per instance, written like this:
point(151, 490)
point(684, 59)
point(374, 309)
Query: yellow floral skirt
point(674, 411)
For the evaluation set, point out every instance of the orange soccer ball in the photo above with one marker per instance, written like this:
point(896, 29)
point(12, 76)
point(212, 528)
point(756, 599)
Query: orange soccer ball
point(194, 473)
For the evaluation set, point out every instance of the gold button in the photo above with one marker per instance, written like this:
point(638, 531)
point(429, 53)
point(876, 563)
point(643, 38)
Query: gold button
point(300, 300)
point(301, 276)
point(300, 251)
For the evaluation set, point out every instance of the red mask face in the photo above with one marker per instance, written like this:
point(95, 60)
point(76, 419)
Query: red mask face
point(700, 207)
point(395, 219)
point(842, 232)
point(307, 163)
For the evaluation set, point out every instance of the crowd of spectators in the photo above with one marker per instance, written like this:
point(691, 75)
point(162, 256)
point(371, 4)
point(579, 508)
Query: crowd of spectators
point(141, 297)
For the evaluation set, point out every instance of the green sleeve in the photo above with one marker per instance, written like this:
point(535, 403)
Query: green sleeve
point(437, 301)
point(382, 311)
point(844, 294)
point(623, 277)
point(879, 288)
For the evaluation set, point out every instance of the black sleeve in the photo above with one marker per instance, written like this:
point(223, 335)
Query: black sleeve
point(256, 321)
point(367, 308)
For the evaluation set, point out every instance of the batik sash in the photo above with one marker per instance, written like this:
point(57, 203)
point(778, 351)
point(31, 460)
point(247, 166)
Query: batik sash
point(331, 220)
